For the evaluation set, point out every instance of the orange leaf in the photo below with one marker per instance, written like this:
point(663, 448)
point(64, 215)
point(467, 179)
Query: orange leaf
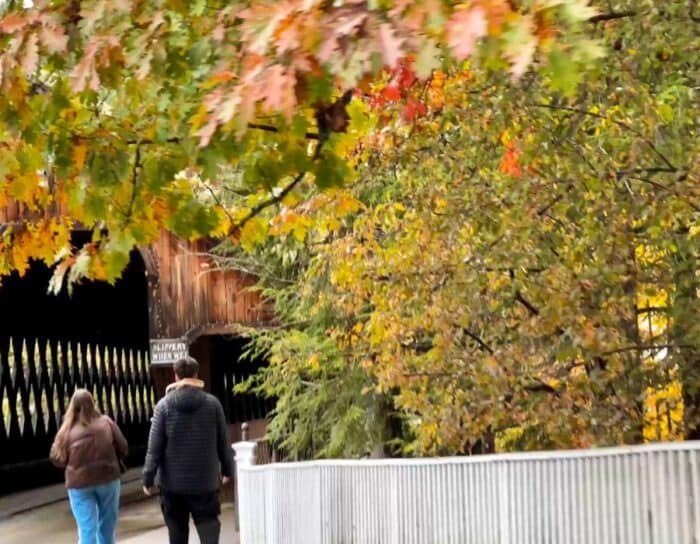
point(279, 90)
point(30, 59)
point(11, 23)
point(509, 164)
point(217, 78)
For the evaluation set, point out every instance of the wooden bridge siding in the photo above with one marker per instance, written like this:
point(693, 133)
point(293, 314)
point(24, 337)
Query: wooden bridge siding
point(186, 297)
point(201, 298)
point(193, 295)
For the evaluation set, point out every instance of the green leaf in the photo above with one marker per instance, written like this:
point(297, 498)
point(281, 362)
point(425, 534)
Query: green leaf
point(330, 171)
point(563, 73)
point(578, 10)
point(428, 59)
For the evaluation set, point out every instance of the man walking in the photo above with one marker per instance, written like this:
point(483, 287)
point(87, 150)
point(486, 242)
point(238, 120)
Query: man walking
point(189, 450)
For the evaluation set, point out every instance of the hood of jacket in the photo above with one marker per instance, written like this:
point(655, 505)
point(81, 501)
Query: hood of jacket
point(186, 399)
point(185, 382)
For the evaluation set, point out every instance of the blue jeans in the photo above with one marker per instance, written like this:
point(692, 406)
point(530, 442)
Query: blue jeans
point(96, 510)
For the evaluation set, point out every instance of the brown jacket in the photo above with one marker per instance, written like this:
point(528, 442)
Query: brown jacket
point(93, 454)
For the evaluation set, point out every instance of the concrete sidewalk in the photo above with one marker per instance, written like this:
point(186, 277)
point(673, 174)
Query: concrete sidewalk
point(33, 499)
point(44, 516)
point(160, 535)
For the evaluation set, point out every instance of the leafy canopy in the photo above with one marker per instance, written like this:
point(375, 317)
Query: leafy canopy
point(124, 116)
point(510, 262)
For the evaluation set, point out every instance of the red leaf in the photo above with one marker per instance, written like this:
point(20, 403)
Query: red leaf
point(464, 29)
point(348, 23)
point(377, 101)
point(406, 75)
point(391, 93)
point(288, 36)
point(413, 110)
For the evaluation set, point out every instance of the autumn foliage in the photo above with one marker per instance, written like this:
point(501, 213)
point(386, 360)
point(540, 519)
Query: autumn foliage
point(460, 209)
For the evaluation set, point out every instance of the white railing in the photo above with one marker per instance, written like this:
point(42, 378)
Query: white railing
point(635, 495)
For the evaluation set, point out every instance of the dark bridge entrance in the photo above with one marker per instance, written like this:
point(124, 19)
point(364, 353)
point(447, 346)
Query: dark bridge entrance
point(50, 345)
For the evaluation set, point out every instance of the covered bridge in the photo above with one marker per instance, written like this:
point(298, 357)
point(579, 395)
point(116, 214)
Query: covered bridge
point(102, 337)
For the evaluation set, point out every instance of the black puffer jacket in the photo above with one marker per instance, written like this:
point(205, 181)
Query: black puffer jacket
point(188, 446)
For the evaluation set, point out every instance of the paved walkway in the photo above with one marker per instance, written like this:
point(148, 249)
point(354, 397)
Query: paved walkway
point(44, 516)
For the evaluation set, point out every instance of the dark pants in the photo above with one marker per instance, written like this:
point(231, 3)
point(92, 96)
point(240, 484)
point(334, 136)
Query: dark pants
point(204, 509)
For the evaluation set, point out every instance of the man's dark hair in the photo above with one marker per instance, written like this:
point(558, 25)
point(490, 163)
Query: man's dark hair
point(187, 367)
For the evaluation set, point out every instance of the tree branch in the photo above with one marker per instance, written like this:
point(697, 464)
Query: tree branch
point(650, 347)
point(612, 16)
point(652, 170)
point(692, 7)
point(652, 309)
point(174, 140)
point(270, 128)
point(219, 203)
point(134, 184)
point(11, 226)
point(663, 187)
point(279, 197)
point(530, 307)
point(275, 199)
point(253, 126)
point(544, 209)
point(621, 124)
point(483, 345)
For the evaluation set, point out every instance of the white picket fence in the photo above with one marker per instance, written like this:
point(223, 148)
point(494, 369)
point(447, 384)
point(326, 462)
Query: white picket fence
point(634, 495)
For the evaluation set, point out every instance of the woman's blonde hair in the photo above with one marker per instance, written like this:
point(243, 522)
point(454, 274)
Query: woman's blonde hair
point(81, 409)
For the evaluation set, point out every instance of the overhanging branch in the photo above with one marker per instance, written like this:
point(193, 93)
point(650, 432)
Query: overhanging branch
point(612, 16)
point(276, 198)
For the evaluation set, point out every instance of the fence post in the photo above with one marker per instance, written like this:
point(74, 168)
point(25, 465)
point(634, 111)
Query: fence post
point(245, 457)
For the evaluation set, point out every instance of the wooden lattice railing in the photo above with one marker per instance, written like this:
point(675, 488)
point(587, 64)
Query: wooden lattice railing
point(37, 379)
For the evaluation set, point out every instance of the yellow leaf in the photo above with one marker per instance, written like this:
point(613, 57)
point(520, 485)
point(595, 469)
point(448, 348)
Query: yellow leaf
point(253, 233)
point(80, 151)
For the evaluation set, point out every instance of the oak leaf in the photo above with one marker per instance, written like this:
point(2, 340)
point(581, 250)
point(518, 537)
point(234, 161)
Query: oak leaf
point(464, 29)
point(390, 45)
point(11, 23)
point(53, 38)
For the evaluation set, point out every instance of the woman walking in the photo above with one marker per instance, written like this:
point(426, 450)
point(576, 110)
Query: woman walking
point(91, 447)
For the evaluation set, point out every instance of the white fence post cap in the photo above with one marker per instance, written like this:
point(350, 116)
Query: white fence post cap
point(245, 453)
